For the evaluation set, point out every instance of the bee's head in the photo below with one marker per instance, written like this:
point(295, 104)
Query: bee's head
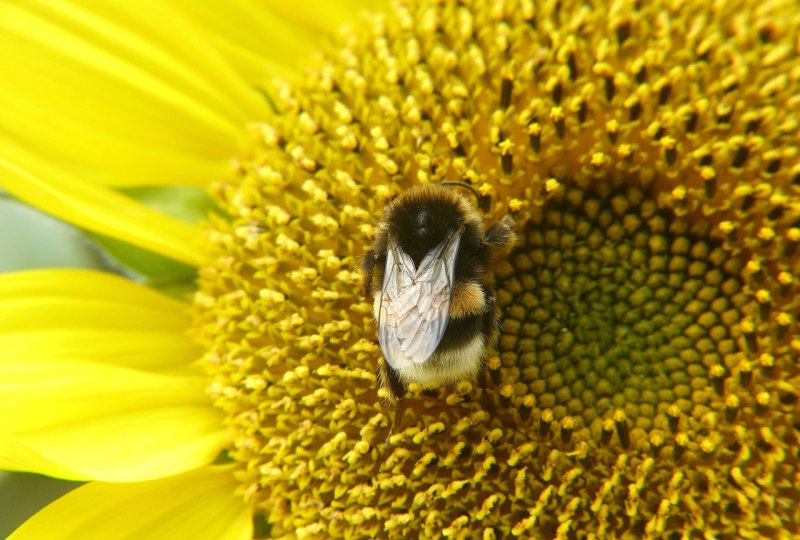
point(420, 220)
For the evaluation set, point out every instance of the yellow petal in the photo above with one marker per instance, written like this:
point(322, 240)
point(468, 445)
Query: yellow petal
point(148, 350)
point(15, 455)
point(91, 206)
point(260, 38)
point(71, 298)
point(254, 39)
point(321, 15)
point(196, 505)
point(106, 422)
point(73, 393)
point(121, 93)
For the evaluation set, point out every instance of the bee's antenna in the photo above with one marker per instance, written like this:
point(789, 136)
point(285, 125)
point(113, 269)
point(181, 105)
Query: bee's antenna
point(482, 200)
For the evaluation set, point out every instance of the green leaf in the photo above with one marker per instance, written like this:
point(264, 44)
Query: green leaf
point(32, 239)
point(171, 277)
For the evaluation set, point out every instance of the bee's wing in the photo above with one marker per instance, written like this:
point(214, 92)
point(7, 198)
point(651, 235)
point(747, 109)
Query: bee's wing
point(415, 303)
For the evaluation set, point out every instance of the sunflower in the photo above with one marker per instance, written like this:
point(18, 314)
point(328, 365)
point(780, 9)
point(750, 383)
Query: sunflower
point(645, 382)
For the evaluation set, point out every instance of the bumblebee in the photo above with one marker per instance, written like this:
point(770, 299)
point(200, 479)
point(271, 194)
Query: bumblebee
point(427, 276)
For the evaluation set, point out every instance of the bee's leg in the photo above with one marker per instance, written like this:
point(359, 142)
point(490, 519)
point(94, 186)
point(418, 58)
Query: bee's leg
point(501, 233)
point(368, 267)
point(492, 327)
point(485, 379)
point(399, 407)
point(391, 380)
point(388, 379)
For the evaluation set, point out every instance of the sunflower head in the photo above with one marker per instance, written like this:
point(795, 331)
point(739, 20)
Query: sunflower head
point(645, 380)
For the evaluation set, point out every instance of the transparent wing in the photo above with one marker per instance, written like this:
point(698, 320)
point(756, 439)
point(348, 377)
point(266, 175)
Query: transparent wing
point(415, 302)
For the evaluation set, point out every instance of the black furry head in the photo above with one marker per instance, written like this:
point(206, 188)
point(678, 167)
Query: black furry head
point(419, 224)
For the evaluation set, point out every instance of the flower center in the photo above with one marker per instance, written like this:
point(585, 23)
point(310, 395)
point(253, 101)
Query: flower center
point(612, 304)
point(645, 382)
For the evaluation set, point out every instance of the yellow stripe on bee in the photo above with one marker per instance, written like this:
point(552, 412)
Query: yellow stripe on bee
point(467, 299)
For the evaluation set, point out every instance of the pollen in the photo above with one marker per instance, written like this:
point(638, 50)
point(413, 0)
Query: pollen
point(645, 381)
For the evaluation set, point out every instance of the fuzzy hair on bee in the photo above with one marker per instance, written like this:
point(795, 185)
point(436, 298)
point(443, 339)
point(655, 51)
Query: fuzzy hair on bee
point(427, 277)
